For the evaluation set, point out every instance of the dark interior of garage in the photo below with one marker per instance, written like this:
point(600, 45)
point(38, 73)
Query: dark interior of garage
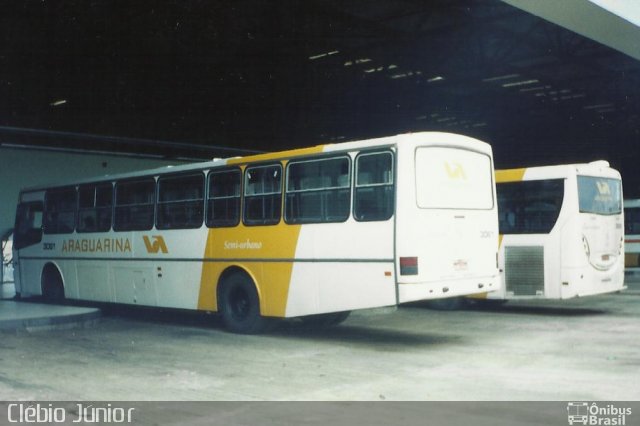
point(198, 79)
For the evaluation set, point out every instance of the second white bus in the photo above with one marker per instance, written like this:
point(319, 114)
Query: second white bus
point(561, 231)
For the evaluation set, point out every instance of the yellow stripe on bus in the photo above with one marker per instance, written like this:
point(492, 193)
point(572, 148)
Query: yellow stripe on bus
point(276, 155)
point(510, 175)
point(273, 247)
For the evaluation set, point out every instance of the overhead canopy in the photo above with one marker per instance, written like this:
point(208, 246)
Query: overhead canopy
point(613, 23)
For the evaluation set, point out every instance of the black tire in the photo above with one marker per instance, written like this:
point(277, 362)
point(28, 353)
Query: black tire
point(325, 320)
point(52, 286)
point(239, 305)
point(448, 304)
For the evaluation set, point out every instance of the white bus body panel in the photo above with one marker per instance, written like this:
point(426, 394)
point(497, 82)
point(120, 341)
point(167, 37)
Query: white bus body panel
point(348, 268)
point(457, 248)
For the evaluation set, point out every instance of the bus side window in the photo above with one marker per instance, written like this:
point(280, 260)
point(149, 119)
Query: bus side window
point(223, 204)
point(374, 189)
point(134, 205)
point(95, 204)
point(318, 191)
point(180, 201)
point(263, 195)
point(60, 211)
point(28, 226)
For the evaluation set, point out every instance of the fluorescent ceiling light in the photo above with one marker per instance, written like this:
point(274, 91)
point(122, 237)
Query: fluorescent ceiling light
point(436, 78)
point(500, 77)
point(597, 106)
point(521, 83)
point(370, 70)
point(407, 74)
point(58, 102)
point(322, 55)
point(532, 89)
point(576, 96)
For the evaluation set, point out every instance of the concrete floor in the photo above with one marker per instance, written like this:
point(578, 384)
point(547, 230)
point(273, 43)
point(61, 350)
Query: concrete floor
point(16, 316)
point(584, 349)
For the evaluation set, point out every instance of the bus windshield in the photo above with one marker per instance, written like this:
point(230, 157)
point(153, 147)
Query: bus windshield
point(599, 195)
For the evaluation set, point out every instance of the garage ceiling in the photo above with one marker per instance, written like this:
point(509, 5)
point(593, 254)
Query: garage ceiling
point(267, 75)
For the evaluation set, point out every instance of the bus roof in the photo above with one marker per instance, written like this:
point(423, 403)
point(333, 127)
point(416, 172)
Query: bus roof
point(594, 168)
point(406, 138)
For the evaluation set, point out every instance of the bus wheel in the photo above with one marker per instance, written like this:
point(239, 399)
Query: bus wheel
point(52, 287)
point(239, 305)
point(325, 320)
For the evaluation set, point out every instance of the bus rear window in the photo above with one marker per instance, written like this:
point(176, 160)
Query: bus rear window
point(599, 195)
point(451, 178)
point(529, 207)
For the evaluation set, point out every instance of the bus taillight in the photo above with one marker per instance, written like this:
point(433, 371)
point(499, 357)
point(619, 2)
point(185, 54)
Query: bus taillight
point(408, 266)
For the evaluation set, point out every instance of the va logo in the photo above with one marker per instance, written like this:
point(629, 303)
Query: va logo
point(603, 188)
point(158, 244)
point(455, 170)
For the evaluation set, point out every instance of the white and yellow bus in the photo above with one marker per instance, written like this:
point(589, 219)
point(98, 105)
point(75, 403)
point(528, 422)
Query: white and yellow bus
point(313, 232)
point(632, 237)
point(561, 231)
